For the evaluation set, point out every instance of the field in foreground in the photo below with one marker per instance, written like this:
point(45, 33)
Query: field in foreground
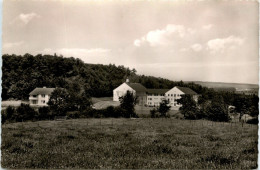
point(129, 143)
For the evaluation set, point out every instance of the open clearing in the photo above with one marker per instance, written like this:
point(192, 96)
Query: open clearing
point(129, 143)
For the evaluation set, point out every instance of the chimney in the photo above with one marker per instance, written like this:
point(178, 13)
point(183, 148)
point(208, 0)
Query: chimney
point(127, 81)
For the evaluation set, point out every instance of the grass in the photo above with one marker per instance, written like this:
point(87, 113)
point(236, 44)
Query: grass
point(129, 143)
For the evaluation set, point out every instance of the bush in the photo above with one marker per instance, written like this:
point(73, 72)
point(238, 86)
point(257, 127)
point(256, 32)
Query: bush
point(217, 112)
point(44, 113)
point(25, 112)
point(3, 113)
point(73, 115)
point(253, 121)
point(153, 112)
point(8, 115)
point(87, 113)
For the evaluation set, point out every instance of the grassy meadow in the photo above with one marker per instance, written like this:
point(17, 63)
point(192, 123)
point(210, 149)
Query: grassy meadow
point(129, 143)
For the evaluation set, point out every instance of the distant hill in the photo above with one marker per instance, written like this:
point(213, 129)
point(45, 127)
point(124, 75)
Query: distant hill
point(218, 85)
point(21, 74)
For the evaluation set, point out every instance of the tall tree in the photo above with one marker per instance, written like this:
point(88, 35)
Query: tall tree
point(59, 101)
point(128, 102)
point(164, 108)
point(189, 107)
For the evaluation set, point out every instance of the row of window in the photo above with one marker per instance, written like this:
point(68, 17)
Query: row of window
point(154, 98)
point(42, 95)
point(155, 94)
point(36, 102)
point(164, 95)
point(174, 95)
point(161, 99)
point(157, 104)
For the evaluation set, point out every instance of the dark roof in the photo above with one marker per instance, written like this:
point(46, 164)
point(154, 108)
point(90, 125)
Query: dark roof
point(44, 90)
point(137, 87)
point(157, 91)
point(186, 90)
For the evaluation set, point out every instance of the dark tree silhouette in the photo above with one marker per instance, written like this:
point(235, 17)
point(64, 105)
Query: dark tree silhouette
point(128, 102)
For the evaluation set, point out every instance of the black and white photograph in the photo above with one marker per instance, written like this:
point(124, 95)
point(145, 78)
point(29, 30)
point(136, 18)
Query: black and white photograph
point(129, 84)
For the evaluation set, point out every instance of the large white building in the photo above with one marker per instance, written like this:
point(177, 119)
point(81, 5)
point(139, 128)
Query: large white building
point(136, 88)
point(153, 97)
point(40, 96)
point(176, 92)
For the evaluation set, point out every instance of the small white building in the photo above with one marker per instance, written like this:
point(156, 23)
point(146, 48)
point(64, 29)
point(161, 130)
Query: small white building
point(40, 96)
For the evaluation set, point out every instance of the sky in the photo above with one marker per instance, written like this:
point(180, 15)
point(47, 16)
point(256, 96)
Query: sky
point(213, 40)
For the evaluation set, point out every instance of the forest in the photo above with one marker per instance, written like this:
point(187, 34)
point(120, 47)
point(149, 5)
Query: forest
point(21, 74)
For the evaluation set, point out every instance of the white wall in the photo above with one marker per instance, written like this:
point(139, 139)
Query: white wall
point(121, 91)
point(172, 95)
point(41, 101)
point(154, 100)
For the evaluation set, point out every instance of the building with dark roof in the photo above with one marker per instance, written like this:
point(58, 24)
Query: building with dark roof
point(176, 93)
point(136, 88)
point(153, 97)
point(186, 90)
point(40, 96)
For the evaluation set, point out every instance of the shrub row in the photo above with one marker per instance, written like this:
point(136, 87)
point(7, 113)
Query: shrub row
point(26, 113)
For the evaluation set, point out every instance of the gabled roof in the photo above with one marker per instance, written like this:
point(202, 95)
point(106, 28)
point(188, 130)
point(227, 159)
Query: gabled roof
point(157, 91)
point(137, 87)
point(44, 90)
point(186, 90)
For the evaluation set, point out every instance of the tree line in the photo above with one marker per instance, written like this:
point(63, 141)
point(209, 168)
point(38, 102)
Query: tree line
point(22, 73)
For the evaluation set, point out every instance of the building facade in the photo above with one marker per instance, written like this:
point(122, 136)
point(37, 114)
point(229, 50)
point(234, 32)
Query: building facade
point(153, 97)
point(136, 88)
point(40, 96)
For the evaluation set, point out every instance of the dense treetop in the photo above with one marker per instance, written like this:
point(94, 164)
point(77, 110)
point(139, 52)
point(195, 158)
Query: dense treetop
point(21, 74)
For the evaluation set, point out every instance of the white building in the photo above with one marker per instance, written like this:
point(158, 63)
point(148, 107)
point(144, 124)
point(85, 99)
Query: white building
point(40, 96)
point(176, 92)
point(136, 88)
point(153, 97)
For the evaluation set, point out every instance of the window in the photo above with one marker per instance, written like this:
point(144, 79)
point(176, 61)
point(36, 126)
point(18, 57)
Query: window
point(168, 94)
point(34, 102)
point(43, 95)
point(174, 95)
point(34, 96)
point(43, 101)
point(174, 104)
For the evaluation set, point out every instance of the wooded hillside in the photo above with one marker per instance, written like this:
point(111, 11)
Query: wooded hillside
point(21, 74)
